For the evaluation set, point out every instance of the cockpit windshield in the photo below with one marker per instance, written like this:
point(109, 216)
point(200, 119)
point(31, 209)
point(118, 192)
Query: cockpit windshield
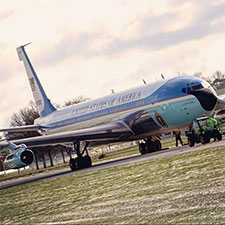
point(192, 87)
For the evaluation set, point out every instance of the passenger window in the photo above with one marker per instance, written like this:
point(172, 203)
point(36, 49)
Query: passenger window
point(196, 87)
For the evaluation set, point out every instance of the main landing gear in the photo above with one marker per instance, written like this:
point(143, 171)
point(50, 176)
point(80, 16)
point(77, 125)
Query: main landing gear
point(151, 144)
point(81, 161)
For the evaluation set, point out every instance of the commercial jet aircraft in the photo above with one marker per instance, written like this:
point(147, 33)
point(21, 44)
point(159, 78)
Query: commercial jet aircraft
point(134, 114)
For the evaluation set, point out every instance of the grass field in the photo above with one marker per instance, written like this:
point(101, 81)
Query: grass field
point(186, 188)
point(109, 155)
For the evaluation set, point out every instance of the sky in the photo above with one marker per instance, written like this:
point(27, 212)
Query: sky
point(88, 47)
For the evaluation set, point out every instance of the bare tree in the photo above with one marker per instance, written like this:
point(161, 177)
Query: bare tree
point(218, 80)
point(25, 116)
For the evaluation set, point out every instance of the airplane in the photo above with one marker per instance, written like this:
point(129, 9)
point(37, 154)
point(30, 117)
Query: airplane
point(135, 114)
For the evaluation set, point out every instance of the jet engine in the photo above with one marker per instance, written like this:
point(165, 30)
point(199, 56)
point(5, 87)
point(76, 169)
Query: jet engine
point(21, 157)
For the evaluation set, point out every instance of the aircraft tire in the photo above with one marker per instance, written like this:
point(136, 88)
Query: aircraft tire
point(158, 145)
point(151, 148)
point(142, 148)
point(80, 163)
point(73, 164)
point(87, 161)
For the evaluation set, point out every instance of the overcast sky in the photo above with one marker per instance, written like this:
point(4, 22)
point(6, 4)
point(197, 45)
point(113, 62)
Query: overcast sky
point(88, 47)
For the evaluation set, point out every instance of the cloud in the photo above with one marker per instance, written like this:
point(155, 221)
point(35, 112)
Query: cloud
point(73, 44)
point(165, 39)
point(5, 72)
point(152, 33)
point(8, 68)
point(200, 28)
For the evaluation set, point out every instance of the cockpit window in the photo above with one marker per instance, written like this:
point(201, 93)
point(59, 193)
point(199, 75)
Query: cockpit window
point(191, 88)
point(188, 89)
point(196, 87)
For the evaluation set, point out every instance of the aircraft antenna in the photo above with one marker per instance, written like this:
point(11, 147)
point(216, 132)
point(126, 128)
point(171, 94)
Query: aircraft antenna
point(162, 76)
point(144, 81)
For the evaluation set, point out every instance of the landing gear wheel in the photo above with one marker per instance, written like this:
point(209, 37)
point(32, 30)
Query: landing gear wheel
point(158, 145)
point(73, 164)
point(80, 163)
point(150, 146)
point(87, 161)
point(142, 148)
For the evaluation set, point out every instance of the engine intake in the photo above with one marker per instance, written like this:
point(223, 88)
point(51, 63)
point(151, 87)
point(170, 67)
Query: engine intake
point(22, 157)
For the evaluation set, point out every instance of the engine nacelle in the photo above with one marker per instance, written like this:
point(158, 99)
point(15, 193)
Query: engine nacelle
point(20, 158)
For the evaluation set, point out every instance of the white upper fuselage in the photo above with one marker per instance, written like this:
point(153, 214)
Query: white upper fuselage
point(97, 105)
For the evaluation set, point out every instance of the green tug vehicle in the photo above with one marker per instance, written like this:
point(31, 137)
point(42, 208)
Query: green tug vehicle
point(203, 129)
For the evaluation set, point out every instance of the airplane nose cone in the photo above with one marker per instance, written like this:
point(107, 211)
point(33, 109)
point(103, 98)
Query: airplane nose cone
point(206, 98)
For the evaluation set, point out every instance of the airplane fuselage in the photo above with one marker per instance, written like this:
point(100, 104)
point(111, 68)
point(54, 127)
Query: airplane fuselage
point(163, 105)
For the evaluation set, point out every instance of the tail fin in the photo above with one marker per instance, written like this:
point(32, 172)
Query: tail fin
point(43, 104)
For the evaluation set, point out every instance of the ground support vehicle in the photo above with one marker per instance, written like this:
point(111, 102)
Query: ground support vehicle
point(203, 129)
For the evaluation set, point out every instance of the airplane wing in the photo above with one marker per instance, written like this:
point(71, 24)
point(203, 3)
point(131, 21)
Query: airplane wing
point(23, 128)
point(114, 131)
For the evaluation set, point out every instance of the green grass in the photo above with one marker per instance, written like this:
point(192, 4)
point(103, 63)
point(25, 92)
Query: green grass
point(186, 188)
point(109, 155)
